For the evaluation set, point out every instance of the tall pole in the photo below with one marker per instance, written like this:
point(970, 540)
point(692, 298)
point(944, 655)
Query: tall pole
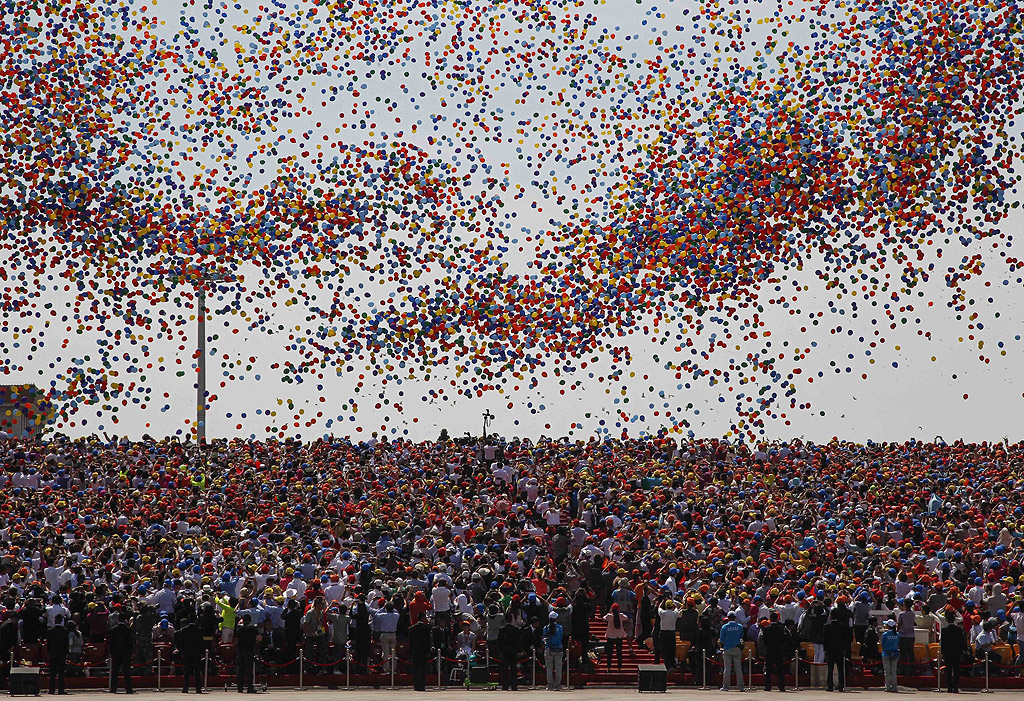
point(201, 366)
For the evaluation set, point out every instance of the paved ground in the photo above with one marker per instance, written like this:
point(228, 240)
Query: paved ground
point(590, 693)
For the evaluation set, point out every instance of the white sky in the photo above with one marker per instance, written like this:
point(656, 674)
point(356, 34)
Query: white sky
point(920, 398)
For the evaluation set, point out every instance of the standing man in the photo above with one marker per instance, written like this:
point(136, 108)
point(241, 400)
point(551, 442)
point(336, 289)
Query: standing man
point(667, 616)
point(731, 637)
point(57, 648)
point(247, 638)
point(387, 620)
point(778, 646)
point(508, 649)
point(189, 641)
point(837, 649)
point(952, 646)
point(119, 646)
point(419, 652)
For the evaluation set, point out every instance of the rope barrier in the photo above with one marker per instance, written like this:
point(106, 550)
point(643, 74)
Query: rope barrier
point(325, 664)
point(281, 665)
point(368, 666)
point(1007, 666)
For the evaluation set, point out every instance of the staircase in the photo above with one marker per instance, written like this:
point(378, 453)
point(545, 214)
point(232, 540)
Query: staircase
point(632, 653)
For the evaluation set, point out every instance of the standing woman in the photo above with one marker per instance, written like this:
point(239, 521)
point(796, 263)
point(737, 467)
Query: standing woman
point(618, 623)
point(554, 646)
point(626, 600)
point(645, 616)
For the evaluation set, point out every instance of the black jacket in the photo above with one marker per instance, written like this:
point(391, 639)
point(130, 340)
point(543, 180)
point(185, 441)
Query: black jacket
point(245, 639)
point(778, 643)
point(508, 641)
point(953, 642)
point(189, 641)
point(419, 642)
point(57, 642)
point(119, 640)
point(837, 638)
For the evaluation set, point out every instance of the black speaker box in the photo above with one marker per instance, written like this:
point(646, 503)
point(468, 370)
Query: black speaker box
point(652, 677)
point(24, 681)
point(479, 675)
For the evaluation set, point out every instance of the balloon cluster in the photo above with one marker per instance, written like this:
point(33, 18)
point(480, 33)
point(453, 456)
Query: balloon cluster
point(494, 193)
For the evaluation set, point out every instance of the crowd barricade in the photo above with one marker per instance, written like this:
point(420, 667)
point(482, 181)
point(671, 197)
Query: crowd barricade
point(998, 670)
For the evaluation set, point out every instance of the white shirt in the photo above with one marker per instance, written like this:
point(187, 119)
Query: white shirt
point(441, 598)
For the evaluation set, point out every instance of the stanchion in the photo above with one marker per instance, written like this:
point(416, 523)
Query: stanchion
point(392, 667)
point(750, 669)
point(796, 672)
point(567, 669)
point(348, 667)
point(938, 671)
point(159, 670)
point(110, 673)
point(301, 656)
point(439, 668)
point(534, 658)
point(986, 690)
point(704, 669)
point(206, 671)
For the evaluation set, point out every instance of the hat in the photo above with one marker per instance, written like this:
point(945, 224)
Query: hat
point(553, 616)
point(890, 624)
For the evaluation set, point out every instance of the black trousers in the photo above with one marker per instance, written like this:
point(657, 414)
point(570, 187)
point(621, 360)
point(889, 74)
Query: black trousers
point(667, 643)
point(192, 668)
point(246, 665)
point(509, 673)
point(362, 651)
point(120, 666)
point(58, 670)
point(834, 662)
point(419, 674)
point(774, 666)
point(953, 673)
point(613, 647)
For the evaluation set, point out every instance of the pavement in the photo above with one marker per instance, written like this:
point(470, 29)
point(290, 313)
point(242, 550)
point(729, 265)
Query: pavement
point(589, 693)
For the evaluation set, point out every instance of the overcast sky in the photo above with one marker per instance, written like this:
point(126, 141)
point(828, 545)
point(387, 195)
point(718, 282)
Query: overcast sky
point(916, 386)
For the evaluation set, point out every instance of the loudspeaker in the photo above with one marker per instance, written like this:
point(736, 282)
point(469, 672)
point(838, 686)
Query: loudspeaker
point(479, 675)
point(651, 677)
point(24, 681)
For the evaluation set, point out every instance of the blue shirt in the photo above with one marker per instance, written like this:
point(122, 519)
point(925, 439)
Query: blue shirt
point(890, 644)
point(731, 635)
point(553, 640)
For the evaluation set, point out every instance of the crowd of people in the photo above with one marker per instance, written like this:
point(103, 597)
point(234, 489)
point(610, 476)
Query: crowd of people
point(393, 550)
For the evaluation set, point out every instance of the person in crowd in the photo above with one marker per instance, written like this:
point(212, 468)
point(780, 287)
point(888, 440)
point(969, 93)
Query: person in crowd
point(731, 638)
point(57, 648)
point(119, 648)
point(247, 640)
point(890, 655)
point(153, 531)
point(952, 647)
point(837, 636)
point(778, 649)
point(553, 650)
